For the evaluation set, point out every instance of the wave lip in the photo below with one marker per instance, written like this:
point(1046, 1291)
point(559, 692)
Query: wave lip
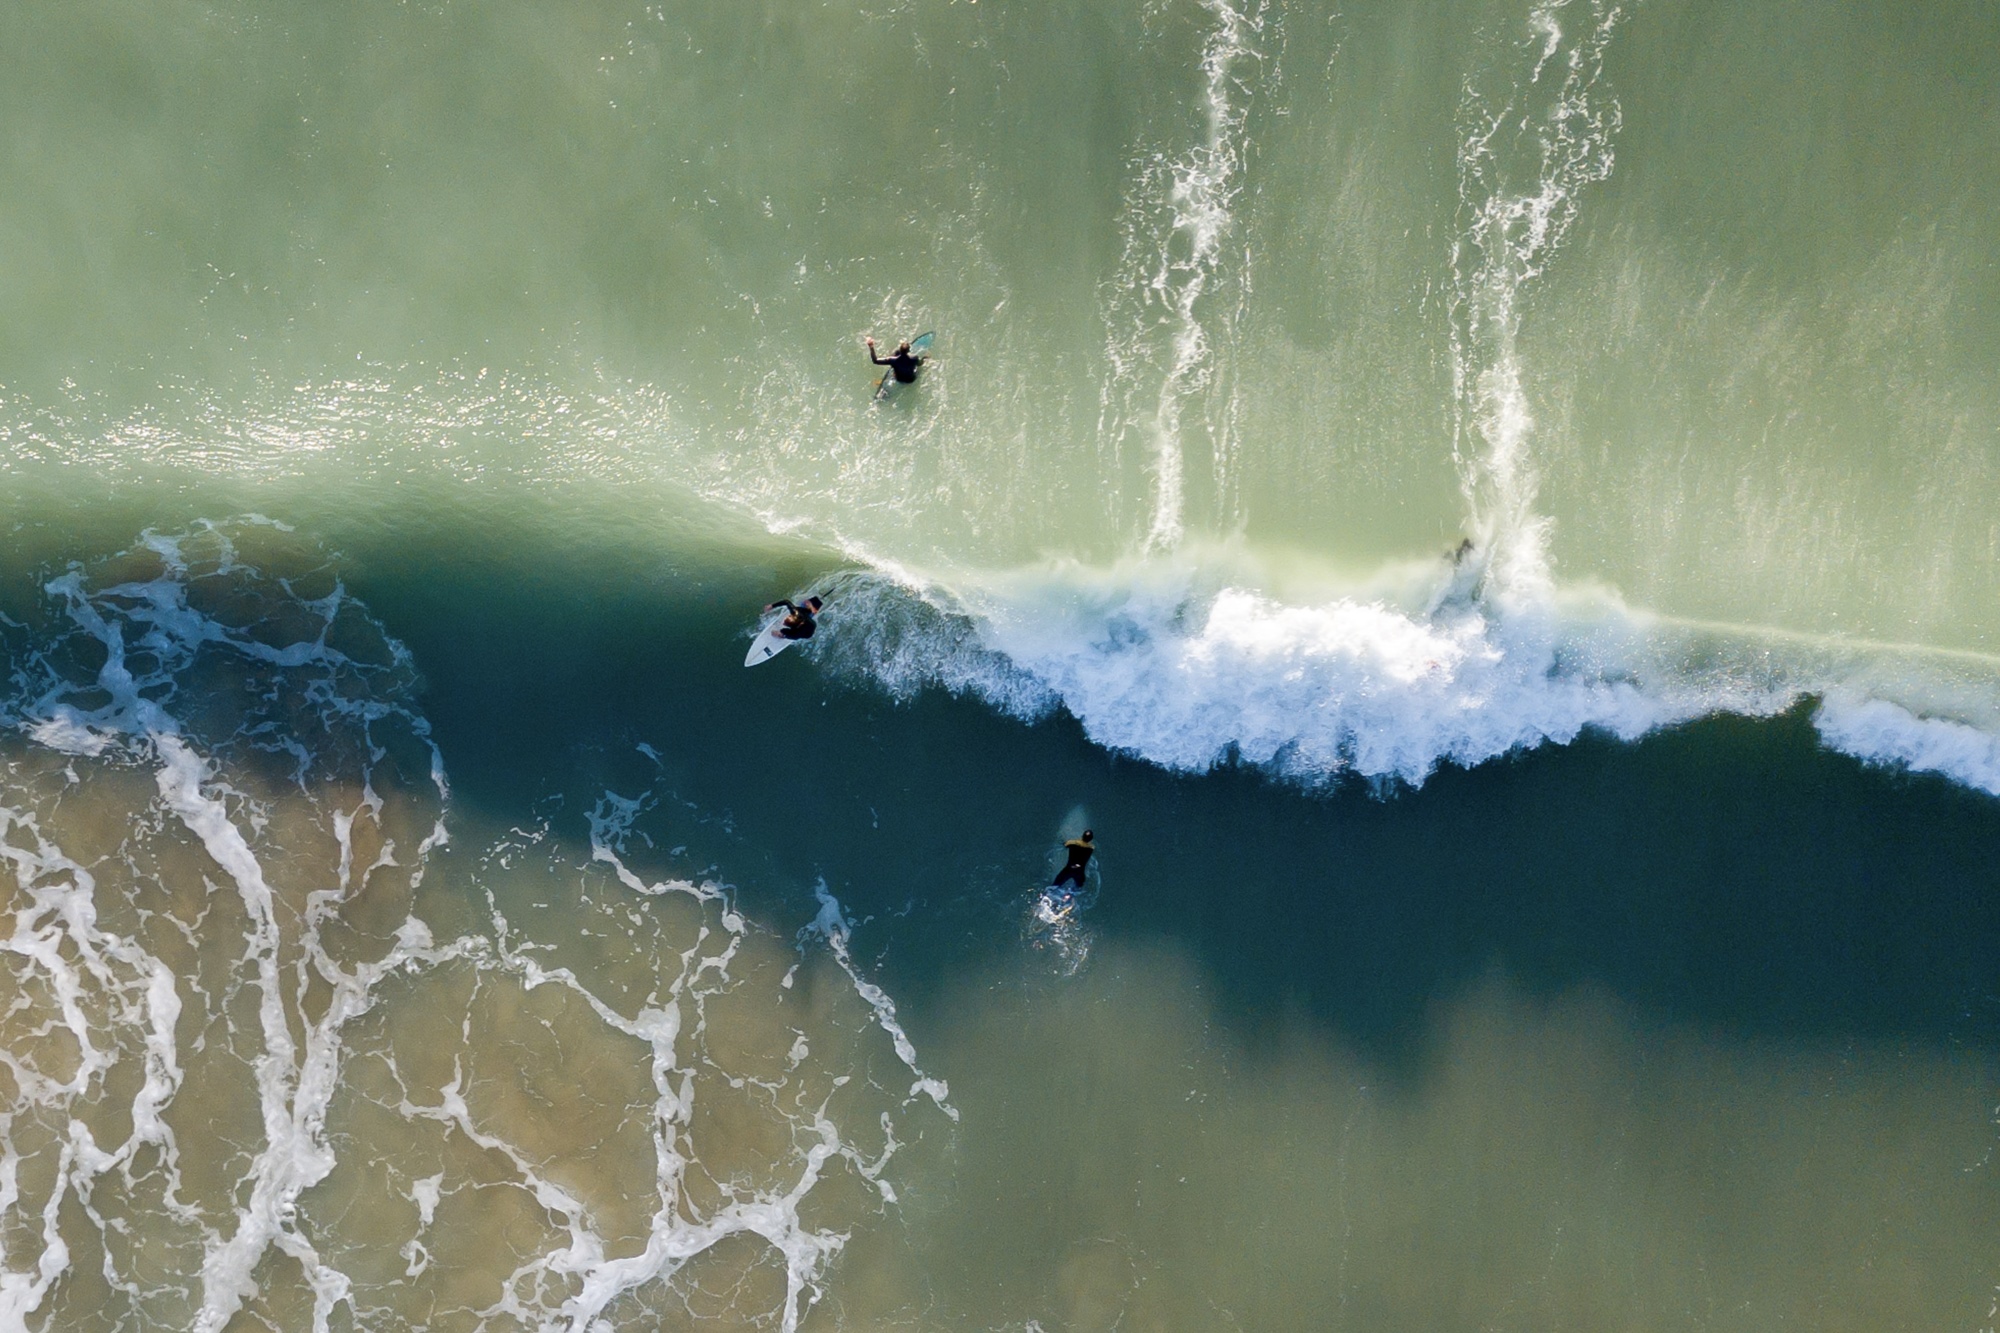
point(1192, 669)
point(1888, 735)
point(1190, 680)
point(1306, 691)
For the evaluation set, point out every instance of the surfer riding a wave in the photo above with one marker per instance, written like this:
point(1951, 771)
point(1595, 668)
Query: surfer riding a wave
point(798, 622)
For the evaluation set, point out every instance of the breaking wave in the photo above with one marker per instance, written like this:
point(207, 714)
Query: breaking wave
point(1189, 668)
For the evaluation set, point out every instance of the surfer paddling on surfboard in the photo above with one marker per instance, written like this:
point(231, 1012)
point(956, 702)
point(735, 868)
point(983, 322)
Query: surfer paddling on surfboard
point(1070, 877)
point(903, 363)
point(798, 622)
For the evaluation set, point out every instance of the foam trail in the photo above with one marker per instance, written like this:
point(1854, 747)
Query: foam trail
point(294, 1088)
point(293, 1156)
point(1200, 189)
point(295, 1079)
point(1508, 237)
point(610, 820)
point(676, 1235)
point(832, 926)
point(133, 677)
point(59, 924)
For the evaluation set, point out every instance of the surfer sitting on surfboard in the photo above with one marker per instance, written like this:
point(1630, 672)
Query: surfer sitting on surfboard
point(1071, 875)
point(798, 623)
point(902, 363)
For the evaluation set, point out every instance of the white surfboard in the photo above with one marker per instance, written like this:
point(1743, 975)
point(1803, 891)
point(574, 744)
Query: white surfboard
point(769, 643)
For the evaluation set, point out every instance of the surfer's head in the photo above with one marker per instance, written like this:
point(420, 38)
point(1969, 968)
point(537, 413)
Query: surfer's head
point(903, 346)
point(1086, 835)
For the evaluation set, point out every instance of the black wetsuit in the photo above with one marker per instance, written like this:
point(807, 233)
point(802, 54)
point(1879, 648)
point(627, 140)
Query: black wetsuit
point(792, 629)
point(903, 365)
point(1071, 875)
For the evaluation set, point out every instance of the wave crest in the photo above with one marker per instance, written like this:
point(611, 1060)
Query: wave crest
point(1190, 669)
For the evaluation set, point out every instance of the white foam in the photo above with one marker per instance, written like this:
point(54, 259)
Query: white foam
point(56, 938)
point(831, 926)
point(1883, 733)
point(1187, 667)
point(1153, 666)
point(672, 1025)
point(128, 719)
point(425, 1194)
point(295, 1154)
point(1179, 216)
point(111, 995)
point(1527, 154)
point(610, 822)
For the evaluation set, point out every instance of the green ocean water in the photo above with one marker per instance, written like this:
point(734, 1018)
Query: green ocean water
point(420, 918)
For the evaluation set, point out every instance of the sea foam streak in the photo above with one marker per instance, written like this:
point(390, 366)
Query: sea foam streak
point(1528, 153)
point(156, 648)
point(831, 925)
point(1178, 218)
point(352, 1083)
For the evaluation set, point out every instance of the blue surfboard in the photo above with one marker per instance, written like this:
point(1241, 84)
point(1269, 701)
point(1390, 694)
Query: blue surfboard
point(888, 384)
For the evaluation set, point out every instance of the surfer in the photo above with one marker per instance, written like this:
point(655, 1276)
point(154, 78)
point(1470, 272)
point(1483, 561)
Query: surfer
point(798, 622)
point(902, 363)
point(1071, 875)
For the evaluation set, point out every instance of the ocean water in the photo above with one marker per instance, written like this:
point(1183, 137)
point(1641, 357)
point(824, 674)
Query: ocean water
point(1490, 509)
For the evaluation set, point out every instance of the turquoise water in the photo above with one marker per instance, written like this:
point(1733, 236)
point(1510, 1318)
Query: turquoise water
point(420, 919)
